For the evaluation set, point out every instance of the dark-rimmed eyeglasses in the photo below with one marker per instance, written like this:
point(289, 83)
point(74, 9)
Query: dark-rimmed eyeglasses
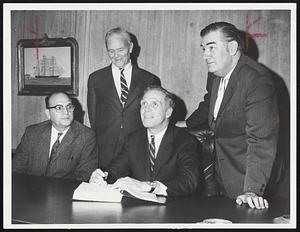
point(61, 108)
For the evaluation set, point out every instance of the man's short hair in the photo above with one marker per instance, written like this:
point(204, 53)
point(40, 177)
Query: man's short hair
point(47, 98)
point(229, 31)
point(120, 31)
point(169, 97)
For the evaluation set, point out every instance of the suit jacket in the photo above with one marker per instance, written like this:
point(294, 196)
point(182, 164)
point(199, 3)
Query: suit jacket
point(176, 164)
point(107, 116)
point(246, 128)
point(77, 153)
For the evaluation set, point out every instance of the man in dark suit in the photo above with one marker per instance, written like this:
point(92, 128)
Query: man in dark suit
point(241, 109)
point(114, 95)
point(59, 147)
point(159, 158)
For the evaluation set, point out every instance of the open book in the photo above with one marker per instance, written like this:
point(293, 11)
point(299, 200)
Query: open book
point(93, 192)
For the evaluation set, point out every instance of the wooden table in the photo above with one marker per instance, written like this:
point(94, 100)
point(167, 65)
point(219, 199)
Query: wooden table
point(41, 200)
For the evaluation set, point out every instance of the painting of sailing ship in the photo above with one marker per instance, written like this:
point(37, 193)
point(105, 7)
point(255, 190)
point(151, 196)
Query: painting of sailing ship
point(47, 67)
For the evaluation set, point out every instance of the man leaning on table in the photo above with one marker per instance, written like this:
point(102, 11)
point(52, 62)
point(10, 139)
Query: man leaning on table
point(59, 147)
point(159, 158)
point(241, 109)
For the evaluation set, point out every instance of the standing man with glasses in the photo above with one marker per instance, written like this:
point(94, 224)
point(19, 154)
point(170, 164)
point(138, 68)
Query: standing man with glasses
point(241, 109)
point(59, 147)
point(114, 95)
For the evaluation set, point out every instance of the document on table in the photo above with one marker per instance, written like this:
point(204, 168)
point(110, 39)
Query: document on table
point(93, 192)
point(128, 192)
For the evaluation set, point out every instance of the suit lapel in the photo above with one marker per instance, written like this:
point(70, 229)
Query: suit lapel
point(234, 78)
point(134, 89)
point(44, 146)
point(165, 151)
point(228, 93)
point(143, 155)
point(112, 89)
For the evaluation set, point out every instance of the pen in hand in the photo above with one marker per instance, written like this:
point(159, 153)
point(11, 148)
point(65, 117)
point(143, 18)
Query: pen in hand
point(102, 174)
point(105, 175)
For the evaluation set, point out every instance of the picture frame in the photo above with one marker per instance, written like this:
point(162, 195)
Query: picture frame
point(47, 65)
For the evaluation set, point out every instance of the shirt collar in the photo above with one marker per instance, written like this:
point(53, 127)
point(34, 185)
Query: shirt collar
point(229, 74)
point(55, 132)
point(127, 66)
point(158, 136)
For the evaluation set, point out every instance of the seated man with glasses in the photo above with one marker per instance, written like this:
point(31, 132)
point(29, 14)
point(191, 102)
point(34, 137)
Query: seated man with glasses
point(59, 147)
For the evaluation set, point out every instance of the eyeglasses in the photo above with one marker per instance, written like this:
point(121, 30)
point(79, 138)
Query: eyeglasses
point(61, 108)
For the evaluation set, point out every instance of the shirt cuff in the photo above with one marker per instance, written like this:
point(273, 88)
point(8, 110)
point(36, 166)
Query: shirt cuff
point(160, 189)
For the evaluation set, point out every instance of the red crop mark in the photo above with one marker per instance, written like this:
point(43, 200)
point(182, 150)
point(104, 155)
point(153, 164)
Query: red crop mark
point(249, 34)
point(36, 36)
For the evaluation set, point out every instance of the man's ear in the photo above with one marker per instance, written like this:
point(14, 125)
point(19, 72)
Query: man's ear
point(169, 112)
point(233, 47)
point(47, 113)
point(130, 47)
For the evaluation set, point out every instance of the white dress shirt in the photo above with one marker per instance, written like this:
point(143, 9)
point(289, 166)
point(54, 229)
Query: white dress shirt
point(222, 87)
point(116, 72)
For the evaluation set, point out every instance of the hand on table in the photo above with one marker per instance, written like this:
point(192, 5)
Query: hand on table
point(253, 200)
point(98, 177)
point(134, 184)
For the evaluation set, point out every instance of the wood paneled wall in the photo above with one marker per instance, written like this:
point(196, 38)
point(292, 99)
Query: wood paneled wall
point(169, 42)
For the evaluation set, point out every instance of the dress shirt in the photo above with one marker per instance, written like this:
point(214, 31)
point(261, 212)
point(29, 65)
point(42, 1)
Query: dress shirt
point(117, 73)
point(221, 90)
point(160, 189)
point(54, 134)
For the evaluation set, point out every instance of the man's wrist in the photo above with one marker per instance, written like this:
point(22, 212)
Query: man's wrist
point(153, 187)
point(249, 193)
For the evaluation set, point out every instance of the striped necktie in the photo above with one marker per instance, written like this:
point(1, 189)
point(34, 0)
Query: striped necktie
point(152, 153)
point(124, 87)
point(53, 152)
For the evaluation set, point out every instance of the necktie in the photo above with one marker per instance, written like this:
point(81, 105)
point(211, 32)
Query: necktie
point(152, 153)
point(53, 151)
point(124, 87)
point(221, 91)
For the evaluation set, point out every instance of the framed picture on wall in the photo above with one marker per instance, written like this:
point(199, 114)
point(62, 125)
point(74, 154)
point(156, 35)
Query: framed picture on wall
point(47, 65)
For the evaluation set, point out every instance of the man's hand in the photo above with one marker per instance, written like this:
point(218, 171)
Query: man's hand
point(181, 124)
point(253, 200)
point(98, 177)
point(134, 184)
